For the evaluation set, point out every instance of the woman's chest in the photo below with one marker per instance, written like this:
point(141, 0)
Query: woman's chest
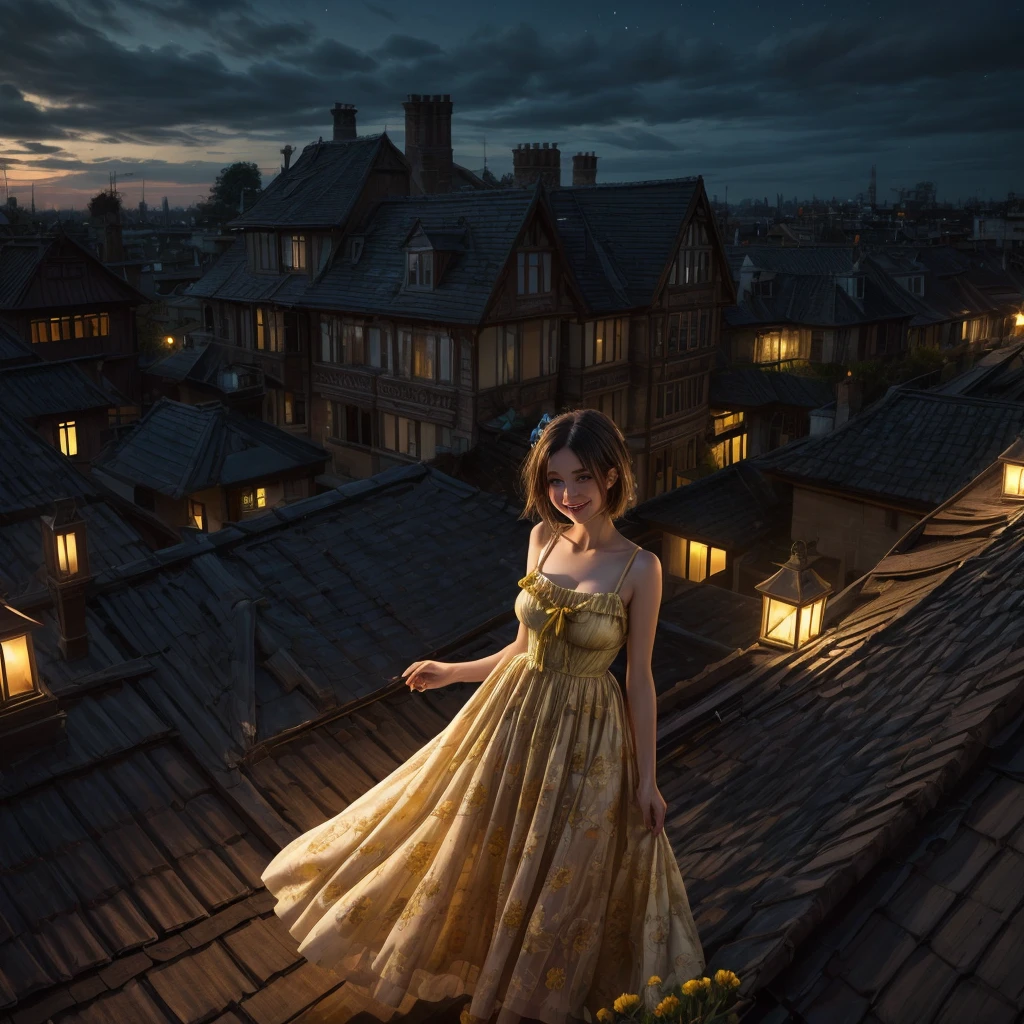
point(577, 626)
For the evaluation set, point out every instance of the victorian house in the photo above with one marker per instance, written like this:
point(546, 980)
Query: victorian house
point(63, 301)
point(394, 307)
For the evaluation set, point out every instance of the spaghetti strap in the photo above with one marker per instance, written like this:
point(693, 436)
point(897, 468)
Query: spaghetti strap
point(547, 548)
point(629, 564)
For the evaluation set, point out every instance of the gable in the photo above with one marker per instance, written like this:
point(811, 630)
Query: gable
point(67, 276)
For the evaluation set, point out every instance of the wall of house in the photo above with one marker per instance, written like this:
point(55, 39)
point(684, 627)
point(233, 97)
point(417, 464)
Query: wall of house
point(855, 533)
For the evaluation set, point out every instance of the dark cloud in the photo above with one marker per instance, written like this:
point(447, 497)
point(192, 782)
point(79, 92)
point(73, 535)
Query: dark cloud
point(406, 48)
point(833, 92)
point(381, 12)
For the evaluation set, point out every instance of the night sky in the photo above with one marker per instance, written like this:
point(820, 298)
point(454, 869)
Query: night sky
point(762, 97)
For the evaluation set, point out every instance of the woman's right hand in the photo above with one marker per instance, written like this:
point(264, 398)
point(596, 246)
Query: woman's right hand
point(429, 675)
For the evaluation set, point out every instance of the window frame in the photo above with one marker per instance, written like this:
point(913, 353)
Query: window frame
point(293, 253)
point(533, 272)
point(420, 270)
point(67, 438)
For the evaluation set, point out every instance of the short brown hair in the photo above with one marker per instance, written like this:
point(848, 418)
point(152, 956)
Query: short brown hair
point(599, 445)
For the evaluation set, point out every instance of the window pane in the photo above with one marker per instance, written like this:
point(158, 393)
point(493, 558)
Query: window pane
point(487, 357)
point(509, 366)
point(374, 346)
point(780, 621)
point(698, 567)
point(547, 271)
point(717, 560)
point(521, 267)
point(17, 666)
point(676, 555)
point(427, 441)
point(444, 372)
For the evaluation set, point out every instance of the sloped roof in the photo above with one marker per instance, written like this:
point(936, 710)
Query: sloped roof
point(178, 449)
point(998, 375)
point(22, 287)
point(50, 388)
point(809, 260)
point(750, 387)
point(731, 509)
point(914, 448)
point(619, 238)
point(32, 473)
point(200, 363)
point(319, 189)
point(799, 772)
point(13, 349)
point(230, 279)
point(489, 221)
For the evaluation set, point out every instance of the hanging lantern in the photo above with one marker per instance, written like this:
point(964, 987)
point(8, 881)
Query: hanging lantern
point(794, 602)
point(1013, 470)
point(18, 678)
point(65, 547)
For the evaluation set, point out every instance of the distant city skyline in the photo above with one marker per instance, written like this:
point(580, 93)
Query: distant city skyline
point(788, 97)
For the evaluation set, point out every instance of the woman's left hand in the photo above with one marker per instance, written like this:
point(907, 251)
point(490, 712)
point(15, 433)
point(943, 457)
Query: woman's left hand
point(653, 806)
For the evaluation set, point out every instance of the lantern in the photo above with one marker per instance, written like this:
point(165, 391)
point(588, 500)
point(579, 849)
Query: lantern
point(17, 656)
point(1013, 470)
point(794, 602)
point(65, 547)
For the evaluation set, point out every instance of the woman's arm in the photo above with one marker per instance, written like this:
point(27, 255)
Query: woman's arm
point(644, 607)
point(431, 674)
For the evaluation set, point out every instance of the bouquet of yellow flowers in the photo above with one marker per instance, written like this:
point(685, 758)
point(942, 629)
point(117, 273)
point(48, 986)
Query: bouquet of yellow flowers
point(697, 1001)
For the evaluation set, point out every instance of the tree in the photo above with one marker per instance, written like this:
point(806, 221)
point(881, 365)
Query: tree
point(105, 204)
point(235, 189)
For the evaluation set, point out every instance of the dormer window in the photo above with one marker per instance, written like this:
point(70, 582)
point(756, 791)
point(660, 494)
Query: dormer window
point(420, 269)
point(764, 288)
point(293, 252)
point(355, 249)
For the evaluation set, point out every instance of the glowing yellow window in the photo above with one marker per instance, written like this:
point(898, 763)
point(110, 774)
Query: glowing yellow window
point(67, 553)
point(68, 435)
point(16, 666)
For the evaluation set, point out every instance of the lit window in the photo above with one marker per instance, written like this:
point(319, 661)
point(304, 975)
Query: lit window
point(254, 499)
point(67, 553)
point(68, 435)
point(269, 332)
point(65, 328)
point(692, 560)
point(692, 264)
point(294, 410)
point(15, 667)
point(197, 514)
point(604, 341)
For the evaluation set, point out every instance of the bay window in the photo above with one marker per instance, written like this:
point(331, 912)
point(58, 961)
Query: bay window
point(605, 341)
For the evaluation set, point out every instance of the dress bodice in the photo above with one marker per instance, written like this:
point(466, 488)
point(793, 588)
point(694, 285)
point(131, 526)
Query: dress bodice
point(577, 634)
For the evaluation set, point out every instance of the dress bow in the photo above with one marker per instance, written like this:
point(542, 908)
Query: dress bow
point(555, 626)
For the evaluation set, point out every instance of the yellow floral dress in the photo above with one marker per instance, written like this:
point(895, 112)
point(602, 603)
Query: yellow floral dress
point(508, 857)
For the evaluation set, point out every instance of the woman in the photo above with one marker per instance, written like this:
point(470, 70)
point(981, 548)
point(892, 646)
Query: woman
point(520, 855)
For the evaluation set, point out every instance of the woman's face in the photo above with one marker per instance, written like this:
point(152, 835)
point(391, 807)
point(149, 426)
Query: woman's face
point(573, 490)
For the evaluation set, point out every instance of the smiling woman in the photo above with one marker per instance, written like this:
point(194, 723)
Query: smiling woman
point(520, 857)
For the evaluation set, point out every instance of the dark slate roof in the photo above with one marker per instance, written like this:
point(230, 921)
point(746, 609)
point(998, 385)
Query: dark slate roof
point(51, 388)
point(200, 363)
point(619, 238)
point(319, 189)
point(731, 509)
point(178, 449)
point(13, 349)
point(998, 375)
point(21, 287)
point(230, 279)
point(818, 301)
point(490, 222)
point(749, 388)
point(33, 473)
point(803, 261)
point(799, 773)
point(916, 448)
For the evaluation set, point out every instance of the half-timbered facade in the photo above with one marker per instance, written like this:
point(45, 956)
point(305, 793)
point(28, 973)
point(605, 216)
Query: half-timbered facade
point(67, 304)
point(391, 326)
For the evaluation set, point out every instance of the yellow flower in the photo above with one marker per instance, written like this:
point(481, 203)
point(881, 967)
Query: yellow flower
point(654, 980)
point(419, 857)
point(727, 979)
point(605, 1016)
point(513, 916)
point(705, 983)
point(555, 978)
point(626, 1002)
point(666, 1007)
point(691, 987)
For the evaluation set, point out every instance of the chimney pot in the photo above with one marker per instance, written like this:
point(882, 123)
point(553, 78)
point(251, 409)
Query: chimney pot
point(344, 115)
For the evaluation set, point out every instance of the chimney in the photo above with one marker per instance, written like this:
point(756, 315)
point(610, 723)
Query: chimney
point(849, 397)
point(66, 553)
point(287, 154)
point(531, 164)
point(428, 141)
point(584, 169)
point(344, 115)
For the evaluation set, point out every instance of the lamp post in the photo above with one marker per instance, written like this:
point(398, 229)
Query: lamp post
point(793, 602)
point(18, 679)
point(66, 552)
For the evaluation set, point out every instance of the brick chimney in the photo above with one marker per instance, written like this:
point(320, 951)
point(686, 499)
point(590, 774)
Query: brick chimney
point(428, 141)
point(533, 163)
point(344, 115)
point(287, 154)
point(584, 169)
point(849, 398)
point(66, 554)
